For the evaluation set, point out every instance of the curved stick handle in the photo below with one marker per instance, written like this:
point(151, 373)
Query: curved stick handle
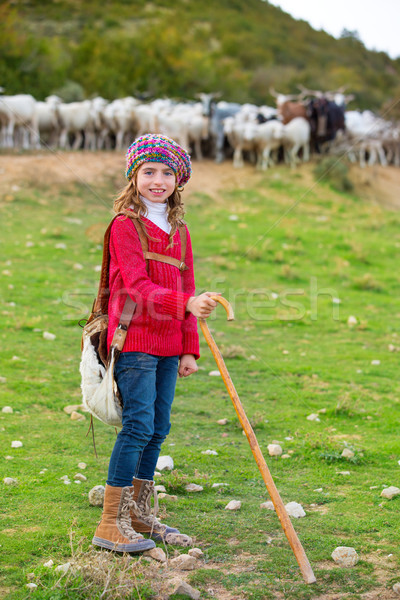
point(226, 305)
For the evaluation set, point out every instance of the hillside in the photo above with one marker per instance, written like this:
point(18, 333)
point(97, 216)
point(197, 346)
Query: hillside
point(178, 49)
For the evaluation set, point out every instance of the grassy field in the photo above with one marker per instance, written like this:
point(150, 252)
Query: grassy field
point(296, 261)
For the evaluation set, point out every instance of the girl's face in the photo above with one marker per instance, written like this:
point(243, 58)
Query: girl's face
point(155, 181)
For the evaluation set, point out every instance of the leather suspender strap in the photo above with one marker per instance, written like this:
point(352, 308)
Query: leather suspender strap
point(121, 331)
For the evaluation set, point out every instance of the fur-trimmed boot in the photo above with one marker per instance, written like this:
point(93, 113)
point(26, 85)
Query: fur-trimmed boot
point(115, 531)
point(144, 517)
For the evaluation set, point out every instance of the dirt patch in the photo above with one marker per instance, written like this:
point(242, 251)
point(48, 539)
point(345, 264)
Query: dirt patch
point(377, 184)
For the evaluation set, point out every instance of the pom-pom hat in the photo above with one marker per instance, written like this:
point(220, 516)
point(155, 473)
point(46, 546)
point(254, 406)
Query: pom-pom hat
point(159, 148)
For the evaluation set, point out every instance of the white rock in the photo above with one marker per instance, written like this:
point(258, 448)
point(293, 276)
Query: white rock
point(193, 487)
point(163, 496)
point(49, 336)
point(313, 417)
point(351, 321)
point(31, 586)
point(80, 477)
point(210, 452)
point(294, 509)
point(336, 300)
point(75, 416)
point(344, 473)
point(76, 481)
point(165, 463)
point(64, 478)
point(285, 456)
point(9, 457)
point(61, 246)
point(63, 568)
point(347, 453)
point(179, 587)
point(396, 588)
point(3, 379)
point(390, 492)
point(345, 556)
point(157, 554)
point(78, 266)
point(96, 495)
point(67, 482)
point(233, 505)
point(48, 564)
point(214, 374)
point(274, 449)
point(217, 485)
point(16, 444)
point(196, 552)
point(7, 410)
point(222, 422)
point(10, 481)
point(71, 408)
point(318, 490)
point(269, 505)
point(184, 562)
point(160, 488)
point(82, 465)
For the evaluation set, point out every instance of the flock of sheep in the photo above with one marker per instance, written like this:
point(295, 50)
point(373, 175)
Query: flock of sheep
point(219, 129)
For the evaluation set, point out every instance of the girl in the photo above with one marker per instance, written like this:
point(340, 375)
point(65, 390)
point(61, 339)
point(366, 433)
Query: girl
point(162, 339)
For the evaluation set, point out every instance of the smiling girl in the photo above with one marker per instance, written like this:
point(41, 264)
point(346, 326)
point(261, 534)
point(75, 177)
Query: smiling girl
point(162, 339)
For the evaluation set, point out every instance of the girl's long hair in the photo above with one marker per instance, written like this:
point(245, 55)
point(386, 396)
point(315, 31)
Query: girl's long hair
point(129, 198)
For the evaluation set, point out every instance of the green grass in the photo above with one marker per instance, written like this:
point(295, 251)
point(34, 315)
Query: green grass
point(290, 356)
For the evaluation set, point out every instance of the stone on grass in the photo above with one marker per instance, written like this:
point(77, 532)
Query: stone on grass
point(163, 496)
point(217, 485)
point(9, 457)
point(16, 444)
point(390, 492)
point(214, 373)
point(313, 417)
point(48, 564)
point(274, 449)
point(269, 505)
point(222, 421)
point(285, 456)
point(7, 410)
point(75, 416)
point(31, 586)
point(71, 408)
point(375, 362)
point(178, 587)
point(210, 452)
point(10, 481)
point(63, 568)
point(96, 495)
point(82, 465)
point(49, 336)
point(160, 488)
point(347, 453)
point(184, 562)
point(193, 487)
point(294, 509)
point(165, 463)
point(234, 505)
point(345, 556)
point(157, 554)
point(80, 477)
point(196, 552)
point(396, 588)
point(3, 379)
point(344, 473)
point(351, 321)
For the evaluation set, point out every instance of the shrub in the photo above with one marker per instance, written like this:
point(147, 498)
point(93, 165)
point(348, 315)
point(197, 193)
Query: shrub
point(335, 172)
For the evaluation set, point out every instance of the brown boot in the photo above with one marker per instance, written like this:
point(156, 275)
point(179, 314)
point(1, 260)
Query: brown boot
point(144, 518)
point(115, 531)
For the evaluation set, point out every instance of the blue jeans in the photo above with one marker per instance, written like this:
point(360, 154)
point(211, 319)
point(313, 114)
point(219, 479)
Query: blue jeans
point(147, 385)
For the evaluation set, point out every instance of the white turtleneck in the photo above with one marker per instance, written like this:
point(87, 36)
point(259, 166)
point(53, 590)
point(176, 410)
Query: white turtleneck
point(157, 214)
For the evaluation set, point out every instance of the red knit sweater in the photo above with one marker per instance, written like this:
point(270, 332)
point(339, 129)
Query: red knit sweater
point(160, 324)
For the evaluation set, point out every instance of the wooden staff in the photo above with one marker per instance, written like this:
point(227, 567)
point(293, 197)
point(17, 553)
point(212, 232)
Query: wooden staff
point(286, 523)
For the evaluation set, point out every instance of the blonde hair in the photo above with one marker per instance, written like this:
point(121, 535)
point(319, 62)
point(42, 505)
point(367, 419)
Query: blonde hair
point(129, 198)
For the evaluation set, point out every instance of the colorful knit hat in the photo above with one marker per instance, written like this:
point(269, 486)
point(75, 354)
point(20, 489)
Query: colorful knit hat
point(159, 148)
